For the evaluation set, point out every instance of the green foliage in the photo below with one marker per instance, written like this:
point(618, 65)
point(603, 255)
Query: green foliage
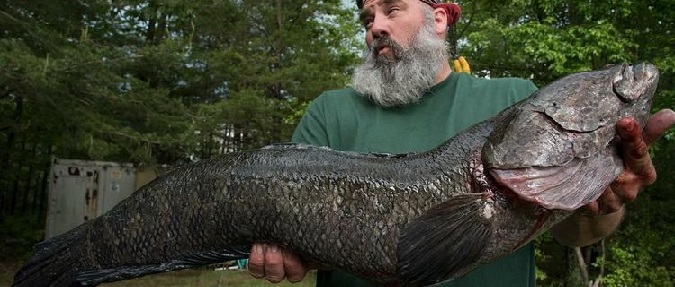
point(122, 80)
point(545, 40)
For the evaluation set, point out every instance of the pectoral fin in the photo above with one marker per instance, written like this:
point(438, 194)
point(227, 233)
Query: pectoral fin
point(447, 238)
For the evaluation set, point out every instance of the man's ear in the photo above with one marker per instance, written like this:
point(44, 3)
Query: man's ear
point(440, 21)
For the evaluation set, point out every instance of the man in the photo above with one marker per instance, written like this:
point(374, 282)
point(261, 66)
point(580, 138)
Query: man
point(404, 98)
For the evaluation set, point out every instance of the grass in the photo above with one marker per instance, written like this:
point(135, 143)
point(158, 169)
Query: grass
point(7, 270)
point(184, 278)
point(207, 278)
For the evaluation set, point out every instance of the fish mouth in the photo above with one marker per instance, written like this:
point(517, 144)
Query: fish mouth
point(630, 82)
point(568, 187)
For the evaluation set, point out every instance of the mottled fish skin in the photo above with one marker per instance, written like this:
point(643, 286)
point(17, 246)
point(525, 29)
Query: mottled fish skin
point(554, 147)
point(399, 220)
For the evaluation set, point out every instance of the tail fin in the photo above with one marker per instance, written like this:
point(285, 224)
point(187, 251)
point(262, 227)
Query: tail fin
point(54, 262)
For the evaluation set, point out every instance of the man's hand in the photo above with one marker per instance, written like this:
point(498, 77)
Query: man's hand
point(639, 171)
point(607, 212)
point(274, 264)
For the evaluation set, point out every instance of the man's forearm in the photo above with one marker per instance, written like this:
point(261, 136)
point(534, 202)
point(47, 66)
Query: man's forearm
point(582, 230)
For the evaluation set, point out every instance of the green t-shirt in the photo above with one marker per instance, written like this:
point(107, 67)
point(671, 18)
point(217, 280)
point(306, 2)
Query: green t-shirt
point(343, 120)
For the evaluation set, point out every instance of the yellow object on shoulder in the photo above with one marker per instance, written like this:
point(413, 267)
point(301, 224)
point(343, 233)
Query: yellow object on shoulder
point(465, 65)
point(460, 65)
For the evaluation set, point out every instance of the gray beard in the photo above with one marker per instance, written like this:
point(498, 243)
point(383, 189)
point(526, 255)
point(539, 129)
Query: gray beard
point(403, 77)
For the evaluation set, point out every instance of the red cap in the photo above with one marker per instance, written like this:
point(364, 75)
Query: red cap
point(451, 9)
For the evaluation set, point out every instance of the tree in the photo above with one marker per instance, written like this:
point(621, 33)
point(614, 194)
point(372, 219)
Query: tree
point(155, 81)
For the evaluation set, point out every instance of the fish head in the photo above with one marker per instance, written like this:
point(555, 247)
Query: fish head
point(558, 148)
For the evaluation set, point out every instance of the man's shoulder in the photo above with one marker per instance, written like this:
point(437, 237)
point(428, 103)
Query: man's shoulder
point(326, 113)
point(497, 83)
point(504, 90)
point(339, 99)
point(341, 95)
point(517, 83)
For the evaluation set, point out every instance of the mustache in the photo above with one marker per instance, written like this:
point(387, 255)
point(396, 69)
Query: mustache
point(386, 42)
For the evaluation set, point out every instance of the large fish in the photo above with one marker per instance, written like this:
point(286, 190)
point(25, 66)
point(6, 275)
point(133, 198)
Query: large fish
point(398, 220)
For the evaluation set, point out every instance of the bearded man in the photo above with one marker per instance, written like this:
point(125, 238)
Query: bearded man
point(404, 98)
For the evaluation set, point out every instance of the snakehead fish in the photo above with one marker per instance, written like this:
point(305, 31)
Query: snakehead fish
point(397, 220)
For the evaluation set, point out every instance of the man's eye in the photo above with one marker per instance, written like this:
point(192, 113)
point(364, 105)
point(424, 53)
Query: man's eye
point(368, 23)
point(393, 9)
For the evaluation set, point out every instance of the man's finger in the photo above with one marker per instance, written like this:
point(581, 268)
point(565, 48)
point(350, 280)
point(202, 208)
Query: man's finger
point(293, 266)
point(624, 196)
point(658, 124)
point(609, 202)
point(274, 264)
point(256, 261)
point(632, 140)
point(635, 149)
point(592, 208)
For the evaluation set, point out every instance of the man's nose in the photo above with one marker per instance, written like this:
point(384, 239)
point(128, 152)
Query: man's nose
point(380, 27)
